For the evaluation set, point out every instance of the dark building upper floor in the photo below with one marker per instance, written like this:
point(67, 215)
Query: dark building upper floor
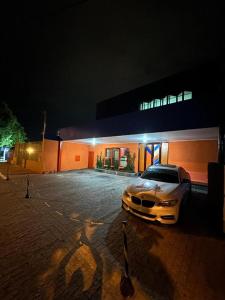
point(192, 99)
point(204, 85)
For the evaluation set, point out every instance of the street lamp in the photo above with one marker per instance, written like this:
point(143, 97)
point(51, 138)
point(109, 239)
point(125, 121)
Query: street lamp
point(29, 151)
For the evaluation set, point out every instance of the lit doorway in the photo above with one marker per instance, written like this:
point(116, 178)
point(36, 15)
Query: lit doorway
point(152, 154)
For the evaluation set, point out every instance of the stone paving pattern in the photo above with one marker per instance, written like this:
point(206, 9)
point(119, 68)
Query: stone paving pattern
point(65, 242)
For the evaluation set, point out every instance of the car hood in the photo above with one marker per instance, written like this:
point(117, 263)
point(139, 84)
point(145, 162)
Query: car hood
point(151, 189)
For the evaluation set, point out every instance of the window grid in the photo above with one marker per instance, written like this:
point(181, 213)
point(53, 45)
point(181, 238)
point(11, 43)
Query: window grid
point(170, 99)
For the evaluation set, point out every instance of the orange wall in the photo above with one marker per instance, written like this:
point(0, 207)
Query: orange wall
point(50, 156)
point(73, 156)
point(98, 149)
point(35, 166)
point(194, 157)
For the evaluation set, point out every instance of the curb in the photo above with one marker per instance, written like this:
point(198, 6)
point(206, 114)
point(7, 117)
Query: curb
point(116, 172)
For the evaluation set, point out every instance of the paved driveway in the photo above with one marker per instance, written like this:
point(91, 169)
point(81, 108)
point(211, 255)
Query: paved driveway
point(66, 243)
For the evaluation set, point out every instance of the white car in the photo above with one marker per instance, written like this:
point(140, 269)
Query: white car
point(158, 194)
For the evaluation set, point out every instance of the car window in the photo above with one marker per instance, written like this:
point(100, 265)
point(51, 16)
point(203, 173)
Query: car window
point(164, 175)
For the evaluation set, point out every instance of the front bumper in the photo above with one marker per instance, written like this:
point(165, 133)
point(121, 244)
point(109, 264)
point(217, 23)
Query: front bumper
point(164, 215)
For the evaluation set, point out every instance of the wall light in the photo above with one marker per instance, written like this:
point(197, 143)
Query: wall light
point(93, 141)
point(144, 139)
point(30, 150)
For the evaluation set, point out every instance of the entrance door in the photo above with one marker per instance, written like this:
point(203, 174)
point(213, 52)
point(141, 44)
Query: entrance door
point(90, 159)
point(156, 154)
point(150, 154)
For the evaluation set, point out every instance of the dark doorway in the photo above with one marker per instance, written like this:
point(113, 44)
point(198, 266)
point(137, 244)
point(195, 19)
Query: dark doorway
point(90, 159)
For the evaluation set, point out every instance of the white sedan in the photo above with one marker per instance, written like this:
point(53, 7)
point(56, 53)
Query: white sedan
point(158, 194)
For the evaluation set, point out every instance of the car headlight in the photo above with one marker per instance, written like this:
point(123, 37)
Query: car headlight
point(125, 193)
point(168, 203)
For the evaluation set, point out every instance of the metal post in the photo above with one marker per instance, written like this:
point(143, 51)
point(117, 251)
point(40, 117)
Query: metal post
point(125, 250)
point(7, 172)
point(221, 145)
point(28, 183)
point(126, 287)
point(58, 152)
point(43, 140)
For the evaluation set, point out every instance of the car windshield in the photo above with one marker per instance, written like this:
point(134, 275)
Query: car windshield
point(164, 175)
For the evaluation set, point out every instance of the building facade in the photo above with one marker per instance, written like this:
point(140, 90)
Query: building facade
point(176, 120)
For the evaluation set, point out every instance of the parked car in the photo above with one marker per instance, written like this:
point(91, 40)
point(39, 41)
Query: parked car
point(158, 194)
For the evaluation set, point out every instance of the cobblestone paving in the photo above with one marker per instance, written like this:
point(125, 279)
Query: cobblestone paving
point(65, 242)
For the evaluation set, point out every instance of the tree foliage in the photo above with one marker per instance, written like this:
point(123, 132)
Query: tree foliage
point(11, 131)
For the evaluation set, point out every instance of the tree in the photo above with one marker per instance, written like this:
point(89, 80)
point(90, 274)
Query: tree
point(11, 131)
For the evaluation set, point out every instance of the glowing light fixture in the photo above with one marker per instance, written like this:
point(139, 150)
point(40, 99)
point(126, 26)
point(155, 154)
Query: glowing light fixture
point(30, 150)
point(93, 141)
point(144, 139)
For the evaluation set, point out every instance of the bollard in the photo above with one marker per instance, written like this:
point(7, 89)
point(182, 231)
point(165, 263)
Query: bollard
point(126, 287)
point(28, 183)
point(7, 172)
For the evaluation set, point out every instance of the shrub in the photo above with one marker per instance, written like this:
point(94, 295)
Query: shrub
point(116, 164)
point(108, 163)
point(99, 162)
point(130, 161)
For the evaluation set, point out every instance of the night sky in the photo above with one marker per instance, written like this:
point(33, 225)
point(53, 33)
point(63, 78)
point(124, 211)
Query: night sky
point(64, 56)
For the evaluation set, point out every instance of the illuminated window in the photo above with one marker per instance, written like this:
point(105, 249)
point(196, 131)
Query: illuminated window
point(108, 152)
point(145, 105)
point(164, 101)
point(180, 97)
point(116, 154)
point(187, 95)
point(172, 99)
point(157, 103)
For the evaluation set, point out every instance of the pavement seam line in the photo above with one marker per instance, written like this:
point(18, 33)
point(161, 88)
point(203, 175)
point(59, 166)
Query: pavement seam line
point(59, 213)
point(2, 176)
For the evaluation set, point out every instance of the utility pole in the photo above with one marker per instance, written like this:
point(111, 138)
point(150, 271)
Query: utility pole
point(43, 137)
point(59, 151)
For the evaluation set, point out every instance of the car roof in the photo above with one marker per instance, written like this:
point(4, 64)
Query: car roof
point(165, 166)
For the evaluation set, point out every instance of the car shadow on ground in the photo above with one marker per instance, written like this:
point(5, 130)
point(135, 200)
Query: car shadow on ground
point(197, 217)
point(152, 249)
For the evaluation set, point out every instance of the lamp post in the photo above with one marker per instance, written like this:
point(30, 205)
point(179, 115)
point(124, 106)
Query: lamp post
point(59, 151)
point(221, 145)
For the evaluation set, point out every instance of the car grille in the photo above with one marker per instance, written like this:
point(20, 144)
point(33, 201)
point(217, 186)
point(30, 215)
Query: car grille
point(135, 200)
point(147, 203)
point(144, 203)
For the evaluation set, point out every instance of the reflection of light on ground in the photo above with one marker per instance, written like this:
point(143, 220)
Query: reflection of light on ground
point(74, 215)
point(48, 277)
point(90, 230)
point(82, 259)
